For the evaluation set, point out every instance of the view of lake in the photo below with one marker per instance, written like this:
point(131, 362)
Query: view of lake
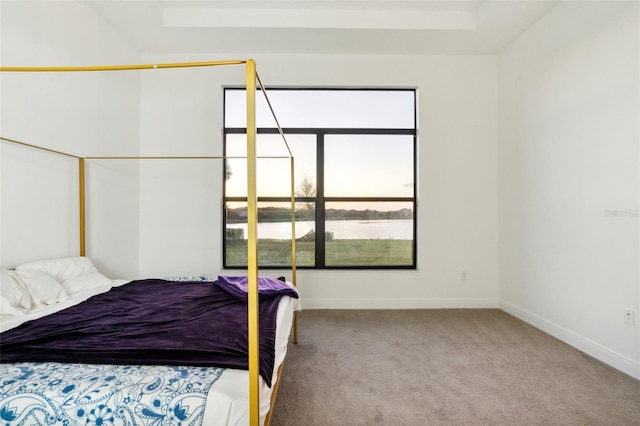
point(342, 229)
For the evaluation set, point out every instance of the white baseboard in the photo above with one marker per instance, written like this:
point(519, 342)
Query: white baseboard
point(399, 303)
point(593, 349)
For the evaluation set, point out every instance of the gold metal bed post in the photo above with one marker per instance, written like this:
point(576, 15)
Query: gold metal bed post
point(81, 208)
point(293, 246)
point(252, 247)
point(294, 278)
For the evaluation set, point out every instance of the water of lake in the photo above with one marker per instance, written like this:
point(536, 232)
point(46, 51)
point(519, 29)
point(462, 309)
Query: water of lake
point(342, 229)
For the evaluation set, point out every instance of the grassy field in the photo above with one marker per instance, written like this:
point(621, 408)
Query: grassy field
point(379, 252)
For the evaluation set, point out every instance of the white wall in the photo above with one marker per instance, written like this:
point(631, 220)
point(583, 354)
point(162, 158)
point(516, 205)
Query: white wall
point(180, 209)
point(569, 110)
point(78, 113)
point(457, 168)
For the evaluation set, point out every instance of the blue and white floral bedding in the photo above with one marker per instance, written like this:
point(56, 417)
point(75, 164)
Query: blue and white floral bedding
point(108, 395)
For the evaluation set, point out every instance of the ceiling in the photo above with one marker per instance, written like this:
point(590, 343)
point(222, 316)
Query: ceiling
point(475, 27)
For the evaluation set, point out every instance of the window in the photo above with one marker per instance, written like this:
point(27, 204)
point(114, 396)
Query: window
point(355, 178)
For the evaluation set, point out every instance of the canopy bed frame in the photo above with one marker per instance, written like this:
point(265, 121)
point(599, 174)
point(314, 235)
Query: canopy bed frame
point(252, 81)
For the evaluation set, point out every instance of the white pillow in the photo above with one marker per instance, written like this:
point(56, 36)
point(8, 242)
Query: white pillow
point(14, 298)
point(42, 287)
point(86, 281)
point(62, 269)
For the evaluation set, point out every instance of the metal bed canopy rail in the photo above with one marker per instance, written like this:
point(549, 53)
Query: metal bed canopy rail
point(251, 77)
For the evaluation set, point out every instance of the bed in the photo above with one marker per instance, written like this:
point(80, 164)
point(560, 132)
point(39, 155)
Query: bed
point(141, 387)
point(44, 377)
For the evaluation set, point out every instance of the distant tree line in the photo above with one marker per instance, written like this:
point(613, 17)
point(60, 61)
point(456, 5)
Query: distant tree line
point(368, 214)
point(282, 214)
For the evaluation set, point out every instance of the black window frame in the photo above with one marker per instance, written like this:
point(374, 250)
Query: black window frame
point(320, 199)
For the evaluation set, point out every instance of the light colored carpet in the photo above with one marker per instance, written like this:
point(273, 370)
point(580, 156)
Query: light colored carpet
point(444, 367)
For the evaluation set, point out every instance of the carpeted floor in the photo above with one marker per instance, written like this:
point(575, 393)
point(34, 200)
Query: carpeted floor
point(444, 367)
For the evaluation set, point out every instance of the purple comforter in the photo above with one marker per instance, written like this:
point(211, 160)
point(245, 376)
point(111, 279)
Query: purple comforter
point(149, 322)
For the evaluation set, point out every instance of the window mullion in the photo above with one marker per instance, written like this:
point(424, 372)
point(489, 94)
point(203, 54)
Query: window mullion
point(320, 225)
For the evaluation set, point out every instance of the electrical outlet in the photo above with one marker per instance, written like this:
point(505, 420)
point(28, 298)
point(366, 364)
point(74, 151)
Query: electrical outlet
point(629, 316)
point(464, 276)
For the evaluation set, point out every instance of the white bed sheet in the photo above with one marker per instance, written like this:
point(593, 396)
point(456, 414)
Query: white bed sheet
point(228, 398)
